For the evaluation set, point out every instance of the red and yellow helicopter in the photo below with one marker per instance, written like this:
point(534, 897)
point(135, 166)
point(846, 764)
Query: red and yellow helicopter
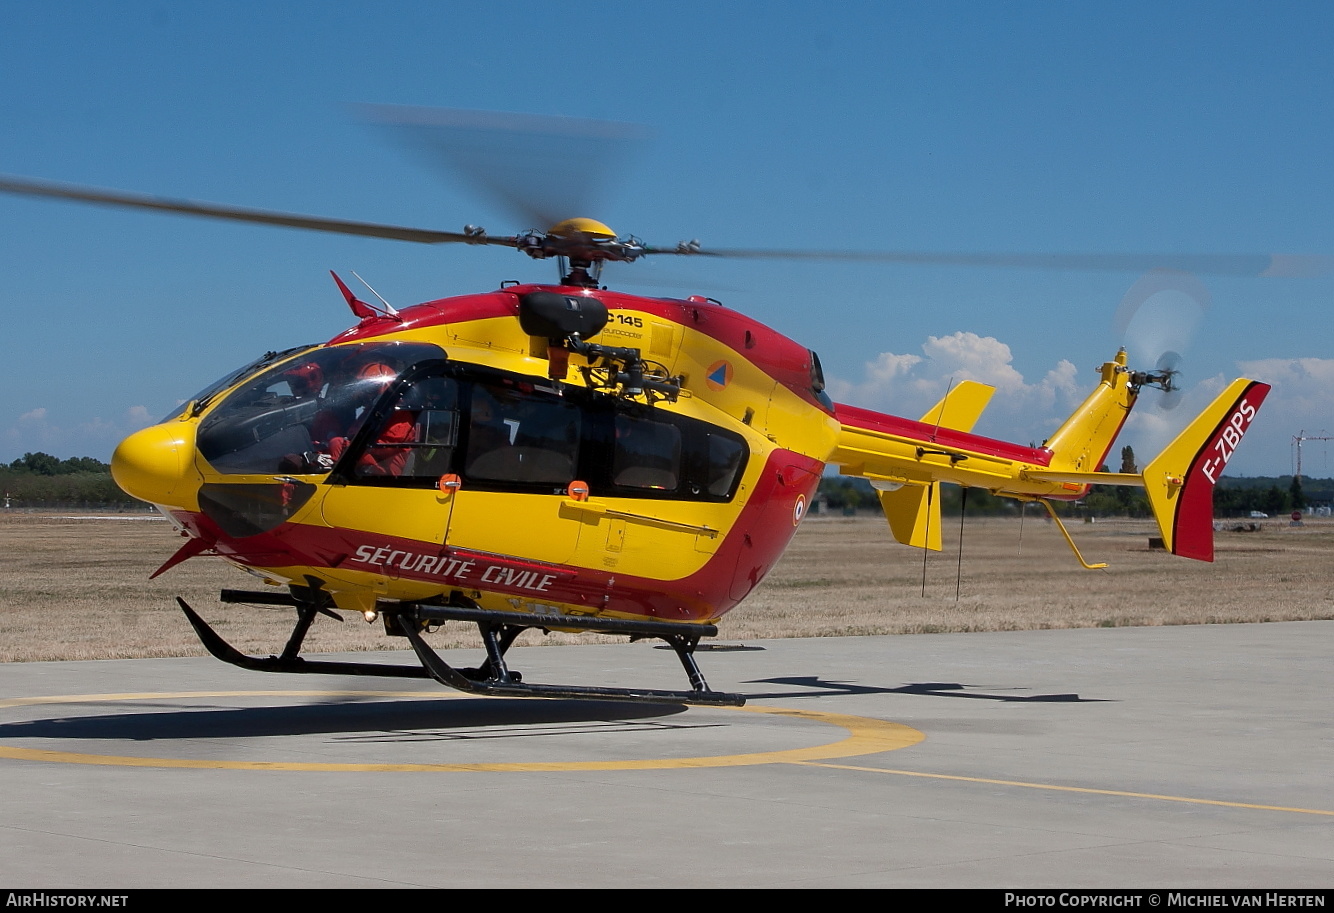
point(570, 457)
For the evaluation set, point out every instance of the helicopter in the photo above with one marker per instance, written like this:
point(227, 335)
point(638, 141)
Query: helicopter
point(569, 457)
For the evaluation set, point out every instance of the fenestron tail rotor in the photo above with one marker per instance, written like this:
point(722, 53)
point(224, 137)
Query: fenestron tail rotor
point(1168, 369)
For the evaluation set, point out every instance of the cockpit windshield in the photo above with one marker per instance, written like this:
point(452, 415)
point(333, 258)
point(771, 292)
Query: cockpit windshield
point(199, 402)
point(298, 417)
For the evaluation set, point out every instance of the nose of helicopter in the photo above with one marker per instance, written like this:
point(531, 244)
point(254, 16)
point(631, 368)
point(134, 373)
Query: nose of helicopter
point(156, 464)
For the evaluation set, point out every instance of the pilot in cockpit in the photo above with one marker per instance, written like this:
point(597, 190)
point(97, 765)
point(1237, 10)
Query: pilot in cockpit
point(341, 409)
point(384, 457)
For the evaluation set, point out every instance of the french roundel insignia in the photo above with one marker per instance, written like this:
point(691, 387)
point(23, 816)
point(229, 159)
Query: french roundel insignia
point(719, 375)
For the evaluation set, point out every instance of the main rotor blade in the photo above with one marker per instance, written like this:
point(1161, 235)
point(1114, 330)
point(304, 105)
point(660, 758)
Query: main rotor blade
point(542, 169)
point(1271, 265)
point(1276, 265)
point(34, 188)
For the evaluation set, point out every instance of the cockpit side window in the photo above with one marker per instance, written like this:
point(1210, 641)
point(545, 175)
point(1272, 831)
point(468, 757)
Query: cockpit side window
point(298, 418)
point(415, 440)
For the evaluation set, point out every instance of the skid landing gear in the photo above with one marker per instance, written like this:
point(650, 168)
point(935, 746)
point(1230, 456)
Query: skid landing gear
point(499, 630)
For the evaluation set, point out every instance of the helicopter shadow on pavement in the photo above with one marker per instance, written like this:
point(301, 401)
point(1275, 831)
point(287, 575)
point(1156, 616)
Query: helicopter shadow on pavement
point(359, 720)
point(817, 687)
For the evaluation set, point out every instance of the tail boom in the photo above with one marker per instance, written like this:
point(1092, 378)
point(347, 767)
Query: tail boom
point(900, 451)
point(907, 460)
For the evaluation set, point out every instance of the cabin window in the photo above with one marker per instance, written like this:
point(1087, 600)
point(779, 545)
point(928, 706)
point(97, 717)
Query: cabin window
point(647, 454)
point(505, 432)
point(726, 457)
point(518, 435)
point(653, 453)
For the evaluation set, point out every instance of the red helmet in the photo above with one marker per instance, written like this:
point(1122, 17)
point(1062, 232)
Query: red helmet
point(305, 379)
point(378, 372)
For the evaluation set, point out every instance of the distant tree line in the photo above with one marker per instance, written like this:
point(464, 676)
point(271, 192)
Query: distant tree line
point(1273, 495)
point(42, 480)
point(849, 493)
point(1233, 497)
point(43, 464)
point(38, 480)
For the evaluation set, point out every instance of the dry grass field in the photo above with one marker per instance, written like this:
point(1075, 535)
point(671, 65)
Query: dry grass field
point(78, 588)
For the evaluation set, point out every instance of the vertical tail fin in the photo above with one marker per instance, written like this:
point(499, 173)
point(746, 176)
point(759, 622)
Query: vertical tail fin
point(1083, 440)
point(913, 512)
point(1180, 481)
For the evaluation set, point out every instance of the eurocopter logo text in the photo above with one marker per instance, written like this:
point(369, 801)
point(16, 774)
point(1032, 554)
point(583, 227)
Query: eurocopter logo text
point(455, 569)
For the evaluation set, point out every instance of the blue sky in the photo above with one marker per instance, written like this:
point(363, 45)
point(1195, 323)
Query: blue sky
point(1042, 127)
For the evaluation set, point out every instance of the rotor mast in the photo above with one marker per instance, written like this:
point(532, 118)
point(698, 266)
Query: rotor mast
point(580, 246)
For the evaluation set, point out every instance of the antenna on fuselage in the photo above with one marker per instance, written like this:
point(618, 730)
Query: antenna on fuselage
point(388, 308)
point(939, 415)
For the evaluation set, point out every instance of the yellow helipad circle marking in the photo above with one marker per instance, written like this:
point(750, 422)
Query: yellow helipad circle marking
point(865, 736)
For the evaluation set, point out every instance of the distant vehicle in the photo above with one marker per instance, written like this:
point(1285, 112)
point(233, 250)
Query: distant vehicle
point(1259, 515)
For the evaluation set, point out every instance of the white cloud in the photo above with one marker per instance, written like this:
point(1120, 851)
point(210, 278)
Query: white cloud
point(908, 385)
point(1302, 399)
point(1305, 386)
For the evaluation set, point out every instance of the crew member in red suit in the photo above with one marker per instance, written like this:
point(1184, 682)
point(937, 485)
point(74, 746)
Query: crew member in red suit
point(382, 458)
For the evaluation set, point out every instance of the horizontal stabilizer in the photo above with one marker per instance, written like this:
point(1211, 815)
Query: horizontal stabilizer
point(961, 407)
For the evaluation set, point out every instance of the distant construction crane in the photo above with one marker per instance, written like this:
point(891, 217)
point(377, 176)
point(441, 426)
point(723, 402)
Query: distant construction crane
point(1297, 441)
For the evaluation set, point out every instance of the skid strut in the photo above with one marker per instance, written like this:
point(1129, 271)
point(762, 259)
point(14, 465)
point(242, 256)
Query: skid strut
point(499, 630)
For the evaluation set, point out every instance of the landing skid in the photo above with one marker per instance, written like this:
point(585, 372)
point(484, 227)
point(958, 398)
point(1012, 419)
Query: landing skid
point(499, 630)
